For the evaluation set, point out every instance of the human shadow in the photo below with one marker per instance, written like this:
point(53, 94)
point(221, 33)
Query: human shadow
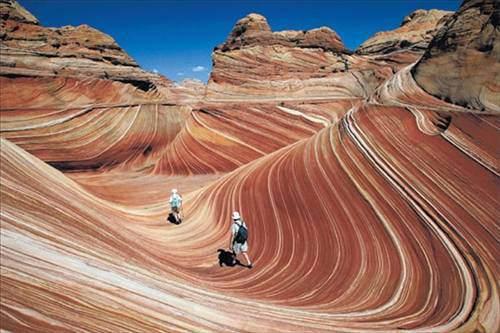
point(227, 258)
point(171, 218)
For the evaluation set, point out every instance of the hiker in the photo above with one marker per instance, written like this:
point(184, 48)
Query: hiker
point(175, 202)
point(239, 238)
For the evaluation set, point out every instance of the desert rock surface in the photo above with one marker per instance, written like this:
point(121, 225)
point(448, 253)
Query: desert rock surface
point(370, 187)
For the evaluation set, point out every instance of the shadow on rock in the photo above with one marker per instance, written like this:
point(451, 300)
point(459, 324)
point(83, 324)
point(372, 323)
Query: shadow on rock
point(227, 258)
point(171, 218)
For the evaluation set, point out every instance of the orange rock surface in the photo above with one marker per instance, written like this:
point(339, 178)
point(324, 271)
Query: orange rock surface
point(372, 205)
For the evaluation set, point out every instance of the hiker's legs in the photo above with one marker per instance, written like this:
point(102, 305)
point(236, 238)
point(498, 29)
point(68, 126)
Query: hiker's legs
point(247, 258)
point(175, 211)
point(235, 250)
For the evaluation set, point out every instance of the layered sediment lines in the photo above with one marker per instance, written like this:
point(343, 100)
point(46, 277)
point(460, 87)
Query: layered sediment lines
point(280, 72)
point(256, 63)
point(387, 213)
point(78, 124)
point(372, 205)
point(221, 137)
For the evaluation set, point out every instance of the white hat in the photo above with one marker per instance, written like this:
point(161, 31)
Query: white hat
point(174, 191)
point(236, 216)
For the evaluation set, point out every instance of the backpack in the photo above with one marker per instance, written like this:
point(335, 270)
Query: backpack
point(175, 201)
point(242, 235)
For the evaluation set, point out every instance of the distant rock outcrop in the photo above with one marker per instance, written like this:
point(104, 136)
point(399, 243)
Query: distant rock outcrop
point(415, 33)
point(11, 10)
point(188, 91)
point(28, 49)
point(255, 62)
point(254, 30)
point(462, 63)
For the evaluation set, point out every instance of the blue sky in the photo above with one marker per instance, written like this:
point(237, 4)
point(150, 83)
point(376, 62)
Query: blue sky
point(176, 38)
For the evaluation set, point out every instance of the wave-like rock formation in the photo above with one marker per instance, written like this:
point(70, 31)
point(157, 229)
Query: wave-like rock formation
point(386, 212)
point(221, 137)
point(77, 124)
point(371, 200)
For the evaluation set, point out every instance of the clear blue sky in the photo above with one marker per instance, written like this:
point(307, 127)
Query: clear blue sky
point(175, 37)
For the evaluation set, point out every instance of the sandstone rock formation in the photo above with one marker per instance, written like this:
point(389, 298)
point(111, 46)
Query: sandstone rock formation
point(462, 63)
point(254, 61)
point(11, 10)
point(188, 91)
point(414, 34)
point(254, 30)
point(77, 124)
point(28, 49)
point(220, 137)
point(371, 204)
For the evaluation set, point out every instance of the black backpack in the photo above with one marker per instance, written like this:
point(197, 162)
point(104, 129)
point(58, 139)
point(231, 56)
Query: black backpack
point(242, 234)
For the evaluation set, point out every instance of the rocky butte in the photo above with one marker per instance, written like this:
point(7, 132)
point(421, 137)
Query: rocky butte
point(369, 180)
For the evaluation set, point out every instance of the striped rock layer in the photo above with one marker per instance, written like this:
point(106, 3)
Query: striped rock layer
point(372, 205)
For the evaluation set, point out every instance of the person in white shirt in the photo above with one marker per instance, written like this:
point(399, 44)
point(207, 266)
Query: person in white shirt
point(239, 238)
point(175, 202)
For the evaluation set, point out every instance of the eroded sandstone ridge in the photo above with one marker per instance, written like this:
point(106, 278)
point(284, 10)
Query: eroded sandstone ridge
point(462, 63)
point(29, 49)
point(415, 33)
point(255, 62)
point(254, 30)
point(372, 204)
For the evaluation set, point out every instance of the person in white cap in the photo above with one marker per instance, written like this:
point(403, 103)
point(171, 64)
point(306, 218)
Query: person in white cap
point(239, 238)
point(175, 202)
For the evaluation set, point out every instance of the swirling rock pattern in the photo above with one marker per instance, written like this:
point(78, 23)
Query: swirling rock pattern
point(221, 137)
point(371, 205)
point(383, 217)
point(78, 124)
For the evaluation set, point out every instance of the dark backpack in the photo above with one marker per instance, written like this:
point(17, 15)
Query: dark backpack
point(242, 235)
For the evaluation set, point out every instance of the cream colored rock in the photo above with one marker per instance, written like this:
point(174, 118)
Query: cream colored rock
point(462, 63)
point(415, 33)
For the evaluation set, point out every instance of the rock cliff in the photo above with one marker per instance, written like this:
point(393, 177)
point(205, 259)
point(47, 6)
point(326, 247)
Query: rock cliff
point(29, 49)
point(414, 34)
point(255, 62)
point(462, 63)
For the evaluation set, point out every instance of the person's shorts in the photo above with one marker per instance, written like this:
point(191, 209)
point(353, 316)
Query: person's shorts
point(175, 209)
point(237, 247)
